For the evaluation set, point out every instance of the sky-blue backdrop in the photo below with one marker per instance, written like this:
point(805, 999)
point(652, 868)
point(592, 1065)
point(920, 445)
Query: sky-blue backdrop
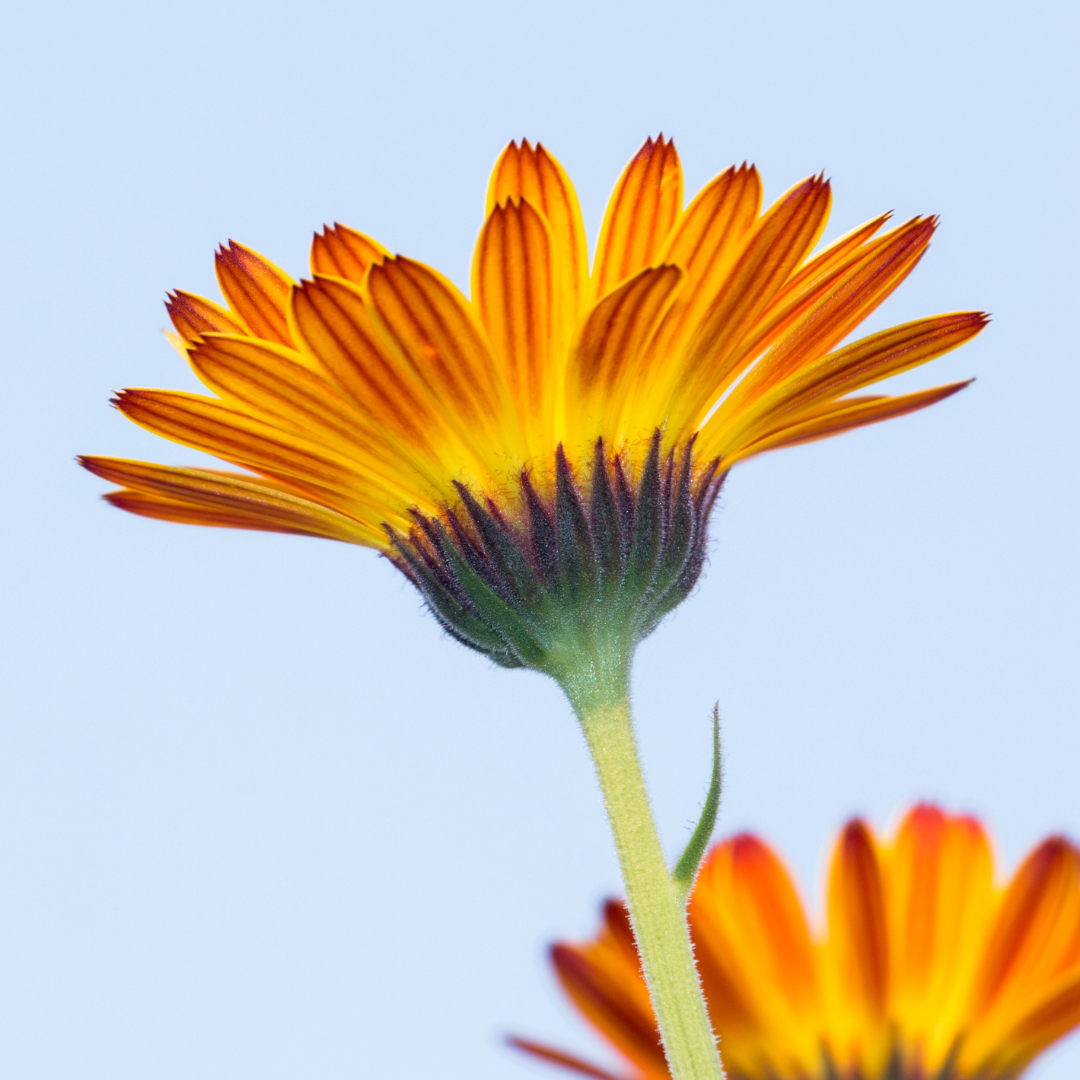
point(257, 817)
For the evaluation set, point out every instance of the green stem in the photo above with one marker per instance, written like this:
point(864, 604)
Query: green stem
point(602, 702)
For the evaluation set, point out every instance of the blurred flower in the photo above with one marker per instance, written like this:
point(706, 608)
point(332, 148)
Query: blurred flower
point(378, 405)
point(926, 967)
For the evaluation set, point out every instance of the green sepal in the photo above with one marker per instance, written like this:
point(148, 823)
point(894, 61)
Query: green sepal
point(646, 542)
point(576, 556)
point(606, 525)
point(464, 625)
point(504, 553)
point(585, 566)
point(542, 536)
point(500, 615)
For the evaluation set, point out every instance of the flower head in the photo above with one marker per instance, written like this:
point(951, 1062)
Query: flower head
point(926, 968)
point(521, 433)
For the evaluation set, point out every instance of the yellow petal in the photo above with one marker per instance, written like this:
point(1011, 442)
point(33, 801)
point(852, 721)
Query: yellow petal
point(705, 243)
point(257, 291)
point(941, 901)
point(519, 296)
point(524, 173)
point(345, 253)
point(643, 209)
point(605, 373)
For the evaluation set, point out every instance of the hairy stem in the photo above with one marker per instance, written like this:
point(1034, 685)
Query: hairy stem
point(599, 694)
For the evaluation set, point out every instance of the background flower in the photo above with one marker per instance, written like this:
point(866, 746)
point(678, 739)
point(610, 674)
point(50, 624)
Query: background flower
point(928, 966)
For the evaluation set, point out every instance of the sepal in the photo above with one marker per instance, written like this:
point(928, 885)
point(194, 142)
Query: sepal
point(525, 584)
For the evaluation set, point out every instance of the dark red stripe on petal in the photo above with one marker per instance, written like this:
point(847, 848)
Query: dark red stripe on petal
point(559, 1057)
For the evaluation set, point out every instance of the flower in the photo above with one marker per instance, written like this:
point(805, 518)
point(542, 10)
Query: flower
point(541, 459)
point(376, 404)
point(927, 968)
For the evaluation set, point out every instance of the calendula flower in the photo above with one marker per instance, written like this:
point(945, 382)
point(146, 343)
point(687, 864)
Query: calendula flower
point(558, 432)
point(540, 458)
point(926, 968)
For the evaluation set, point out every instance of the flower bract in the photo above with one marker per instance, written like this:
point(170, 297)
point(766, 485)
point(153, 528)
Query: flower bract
point(926, 966)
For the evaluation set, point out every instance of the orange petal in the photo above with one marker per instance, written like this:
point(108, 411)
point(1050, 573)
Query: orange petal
point(426, 321)
point(857, 954)
point(1056, 1015)
point(860, 364)
point(146, 505)
point(1037, 935)
point(236, 436)
point(756, 961)
point(604, 372)
point(705, 243)
point(618, 932)
point(825, 264)
point(524, 173)
point(941, 885)
point(941, 901)
point(807, 285)
point(208, 497)
point(839, 307)
point(551, 1056)
point(331, 322)
point(820, 422)
point(772, 249)
point(1027, 991)
point(274, 386)
point(194, 315)
point(271, 384)
point(345, 253)
point(643, 209)
point(519, 296)
point(256, 290)
point(616, 1001)
point(882, 356)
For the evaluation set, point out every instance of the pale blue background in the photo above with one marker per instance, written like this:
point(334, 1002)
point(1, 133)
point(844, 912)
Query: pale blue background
point(257, 818)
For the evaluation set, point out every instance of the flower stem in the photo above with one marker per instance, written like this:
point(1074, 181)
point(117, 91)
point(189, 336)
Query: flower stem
point(657, 910)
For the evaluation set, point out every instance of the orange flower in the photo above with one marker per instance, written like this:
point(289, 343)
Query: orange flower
point(367, 391)
point(376, 404)
point(927, 968)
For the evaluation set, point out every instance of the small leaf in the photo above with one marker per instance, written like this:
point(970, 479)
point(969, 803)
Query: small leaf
point(686, 868)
